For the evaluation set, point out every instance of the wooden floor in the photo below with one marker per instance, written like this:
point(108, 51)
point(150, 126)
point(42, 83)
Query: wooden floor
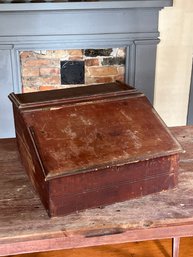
point(157, 248)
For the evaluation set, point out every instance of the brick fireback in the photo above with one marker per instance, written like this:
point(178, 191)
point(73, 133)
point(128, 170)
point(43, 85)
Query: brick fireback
point(40, 70)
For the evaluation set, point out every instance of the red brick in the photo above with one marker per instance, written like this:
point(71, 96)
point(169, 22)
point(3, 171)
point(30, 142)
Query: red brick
point(30, 72)
point(102, 71)
point(39, 81)
point(76, 52)
point(55, 63)
point(120, 78)
point(97, 80)
point(49, 71)
point(37, 62)
point(121, 70)
point(29, 89)
point(75, 58)
point(49, 80)
point(26, 54)
point(92, 62)
point(44, 88)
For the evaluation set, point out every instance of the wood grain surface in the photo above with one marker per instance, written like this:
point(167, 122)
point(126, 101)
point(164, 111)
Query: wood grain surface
point(25, 226)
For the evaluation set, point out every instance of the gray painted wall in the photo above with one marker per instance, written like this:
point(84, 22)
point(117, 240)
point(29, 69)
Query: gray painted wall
point(6, 86)
point(130, 24)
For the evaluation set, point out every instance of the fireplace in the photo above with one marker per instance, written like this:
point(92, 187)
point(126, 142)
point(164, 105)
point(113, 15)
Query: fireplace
point(131, 25)
point(56, 69)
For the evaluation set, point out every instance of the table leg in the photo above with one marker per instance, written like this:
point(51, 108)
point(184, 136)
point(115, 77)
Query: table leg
point(175, 246)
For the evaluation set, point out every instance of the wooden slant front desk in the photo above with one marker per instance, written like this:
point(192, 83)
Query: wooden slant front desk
point(25, 226)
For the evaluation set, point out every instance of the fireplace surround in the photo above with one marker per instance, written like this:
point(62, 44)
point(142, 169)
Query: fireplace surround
point(132, 24)
point(57, 69)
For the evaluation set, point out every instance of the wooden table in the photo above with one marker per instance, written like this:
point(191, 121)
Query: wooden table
point(25, 226)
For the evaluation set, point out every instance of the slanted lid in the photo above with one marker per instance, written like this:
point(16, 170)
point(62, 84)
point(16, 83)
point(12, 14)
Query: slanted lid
point(97, 133)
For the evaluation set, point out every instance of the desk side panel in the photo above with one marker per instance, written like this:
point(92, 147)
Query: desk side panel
point(29, 159)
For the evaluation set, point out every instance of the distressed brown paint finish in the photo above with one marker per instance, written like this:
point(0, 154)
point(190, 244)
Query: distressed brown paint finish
point(93, 146)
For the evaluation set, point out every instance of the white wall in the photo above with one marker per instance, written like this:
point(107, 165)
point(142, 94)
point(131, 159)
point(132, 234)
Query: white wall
point(174, 62)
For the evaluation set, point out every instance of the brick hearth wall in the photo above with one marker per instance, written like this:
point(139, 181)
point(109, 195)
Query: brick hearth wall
point(40, 70)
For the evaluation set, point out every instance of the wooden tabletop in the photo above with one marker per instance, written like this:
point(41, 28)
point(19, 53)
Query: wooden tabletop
point(25, 226)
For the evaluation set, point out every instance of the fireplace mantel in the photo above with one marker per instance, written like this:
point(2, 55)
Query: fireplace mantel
point(93, 5)
point(132, 24)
